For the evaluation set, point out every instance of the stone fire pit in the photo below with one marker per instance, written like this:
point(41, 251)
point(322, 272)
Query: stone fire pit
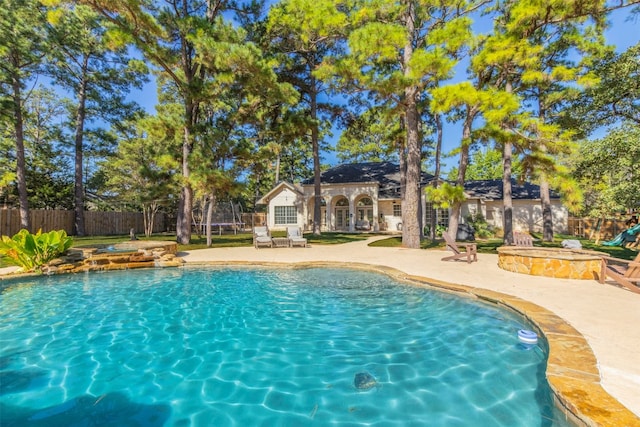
point(551, 262)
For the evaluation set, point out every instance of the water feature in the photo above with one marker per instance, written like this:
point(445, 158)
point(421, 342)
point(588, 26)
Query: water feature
point(232, 347)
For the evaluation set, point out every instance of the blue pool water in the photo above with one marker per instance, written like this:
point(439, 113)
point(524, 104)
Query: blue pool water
point(233, 347)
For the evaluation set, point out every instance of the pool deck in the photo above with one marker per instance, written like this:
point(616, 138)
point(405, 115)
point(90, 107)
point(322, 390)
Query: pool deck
point(569, 311)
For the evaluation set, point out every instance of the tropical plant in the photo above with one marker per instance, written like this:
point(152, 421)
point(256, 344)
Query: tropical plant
point(31, 251)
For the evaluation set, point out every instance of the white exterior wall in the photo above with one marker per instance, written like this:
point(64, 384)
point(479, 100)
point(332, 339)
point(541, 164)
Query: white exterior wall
point(385, 207)
point(333, 193)
point(286, 197)
point(527, 214)
point(382, 210)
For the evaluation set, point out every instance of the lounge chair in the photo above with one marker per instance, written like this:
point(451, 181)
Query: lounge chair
point(363, 225)
point(625, 273)
point(295, 237)
point(262, 237)
point(522, 239)
point(470, 250)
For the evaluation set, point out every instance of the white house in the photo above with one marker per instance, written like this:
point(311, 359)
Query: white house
point(366, 196)
point(485, 197)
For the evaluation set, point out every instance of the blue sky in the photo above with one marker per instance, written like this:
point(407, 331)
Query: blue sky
point(623, 33)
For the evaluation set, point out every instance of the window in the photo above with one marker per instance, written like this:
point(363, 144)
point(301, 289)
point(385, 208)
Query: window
point(285, 215)
point(365, 209)
point(442, 216)
point(365, 214)
point(365, 201)
point(397, 210)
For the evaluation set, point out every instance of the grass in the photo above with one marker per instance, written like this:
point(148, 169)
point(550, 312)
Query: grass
point(224, 241)
point(246, 239)
point(490, 246)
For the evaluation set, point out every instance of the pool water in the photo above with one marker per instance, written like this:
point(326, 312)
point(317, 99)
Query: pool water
point(261, 347)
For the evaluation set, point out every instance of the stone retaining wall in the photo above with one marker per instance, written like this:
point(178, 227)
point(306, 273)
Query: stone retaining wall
point(551, 262)
point(122, 256)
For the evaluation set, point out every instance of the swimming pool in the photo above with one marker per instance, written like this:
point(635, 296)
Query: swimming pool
point(248, 347)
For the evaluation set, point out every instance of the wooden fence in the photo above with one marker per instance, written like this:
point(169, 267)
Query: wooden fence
point(601, 229)
point(95, 223)
point(251, 220)
point(99, 223)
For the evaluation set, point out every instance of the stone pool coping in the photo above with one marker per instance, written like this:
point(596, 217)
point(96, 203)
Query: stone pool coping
point(572, 368)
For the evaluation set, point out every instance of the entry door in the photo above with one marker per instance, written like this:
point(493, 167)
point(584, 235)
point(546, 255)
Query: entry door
point(342, 218)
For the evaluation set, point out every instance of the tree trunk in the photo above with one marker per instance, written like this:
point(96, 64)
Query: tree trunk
point(191, 107)
point(185, 205)
point(21, 169)
point(507, 202)
point(545, 197)
point(438, 155)
point(402, 163)
point(410, 211)
point(411, 200)
point(506, 185)
point(433, 223)
point(210, 219)
point(146, 214)
point(79, 176)
point(547, 216)
point(317, 200)
point(278, 168)
point(150, 217)
point(454, 218)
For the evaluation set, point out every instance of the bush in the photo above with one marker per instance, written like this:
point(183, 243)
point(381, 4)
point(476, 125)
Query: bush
point(480, 225)
point(439, 230)
point(31, 251)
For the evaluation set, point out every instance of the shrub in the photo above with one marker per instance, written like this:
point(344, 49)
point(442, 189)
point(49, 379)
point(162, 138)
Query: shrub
point(481, 227)
point(439, 230)
point(31, 251)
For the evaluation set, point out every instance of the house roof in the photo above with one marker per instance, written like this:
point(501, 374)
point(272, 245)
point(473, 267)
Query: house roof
point(493, 190)
point(279, 187)
point(386, 174)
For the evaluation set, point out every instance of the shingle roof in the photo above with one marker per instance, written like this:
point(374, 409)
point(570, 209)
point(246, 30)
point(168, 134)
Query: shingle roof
point(387, 174)
point(493, 190)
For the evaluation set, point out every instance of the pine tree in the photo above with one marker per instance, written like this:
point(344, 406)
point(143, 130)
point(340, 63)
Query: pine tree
point(23, 44)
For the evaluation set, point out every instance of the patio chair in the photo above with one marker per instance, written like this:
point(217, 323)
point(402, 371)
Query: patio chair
point(625, 273)
point(262, 237)
point(295, 237)
point(522, 239)
point(363, 225)
point(470, 250)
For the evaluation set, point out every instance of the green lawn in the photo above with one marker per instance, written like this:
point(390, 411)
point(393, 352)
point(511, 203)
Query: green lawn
point(225, 240)
point(489, 246)
point(246, 239)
